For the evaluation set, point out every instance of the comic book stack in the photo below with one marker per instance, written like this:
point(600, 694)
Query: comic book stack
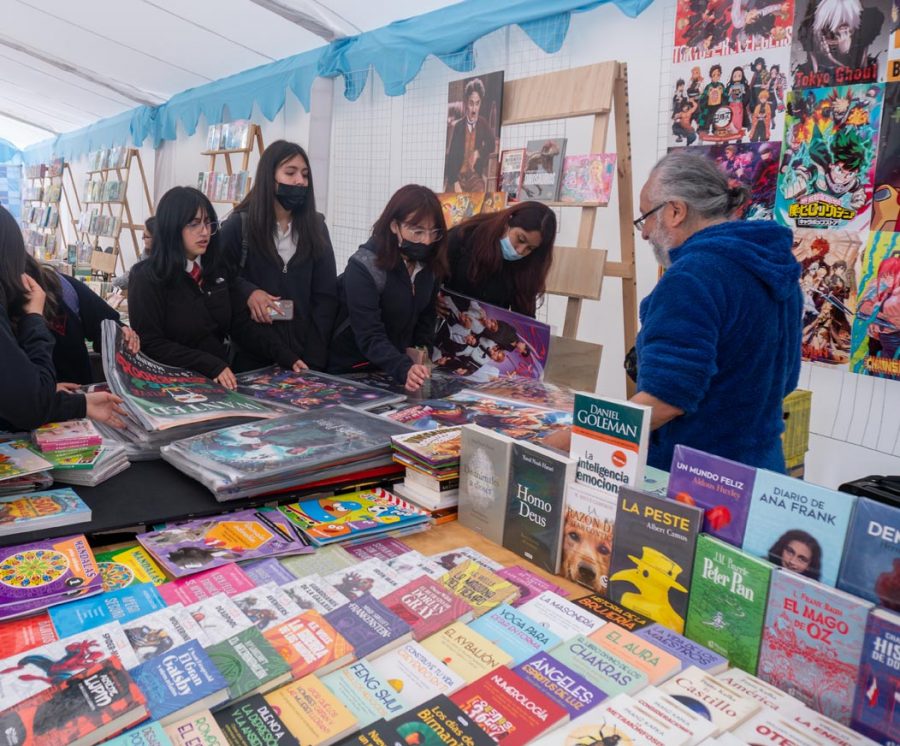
point(431, 458)
point(78, 454)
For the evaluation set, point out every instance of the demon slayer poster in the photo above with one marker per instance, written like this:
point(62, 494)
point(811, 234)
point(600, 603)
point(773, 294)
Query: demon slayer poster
point(713, 28)
point(886, 197)
point(876, 328)
point(828, 157)
point(474, 108)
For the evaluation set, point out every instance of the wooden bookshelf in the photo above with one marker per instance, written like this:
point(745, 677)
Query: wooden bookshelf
point(254, 143)
point(45, 182)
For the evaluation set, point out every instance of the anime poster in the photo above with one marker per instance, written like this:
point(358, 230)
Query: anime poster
point(886, 197)
point(741, 99)
point(876, 329)
point(713, 28)
point(459, 206)
point(828, 157)
point(474, 109)
point(828, 280)
point(839, 42)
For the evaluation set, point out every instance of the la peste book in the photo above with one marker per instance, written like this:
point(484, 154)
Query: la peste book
point(310, 644)
point(484, 464)
point(249, 664)
point(656, 664)
point(17, 635)
point(534, 513)
point(514, 632)
point(308, 708)
point(228, 579)
point(465, 652)
point(250, 723)
point(723, 488)
point(482, 589)
point(724, 707)
point(606, 670)
point(369, 626)
point(529, 583)
point(562, 617)
point(364, 693)
point(748, 685)
point(588, 535)
point(798, 525)
point(563, 685)
point(689, 652)
point(121, 605)
point(609, 611)
point(439, 721)
point(41, 510)
point(543, 170)
point(812, 643)
point(871, 564)
point(195, 730)
point(727, 607)
point(312, 592)
point(219, 617)
point(266, 606)
point(653, 556)
point(426, 606)
point(878, 683)
point(122, 567)
point(415, 674)
point(508, 709)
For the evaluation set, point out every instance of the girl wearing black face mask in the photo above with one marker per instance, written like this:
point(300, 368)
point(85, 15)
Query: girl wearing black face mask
point(388, 291)
point(279, 249)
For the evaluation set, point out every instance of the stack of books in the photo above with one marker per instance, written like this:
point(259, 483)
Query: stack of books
point(431, 458)
point(21, 469)
point(77, 453)
point(36, 511)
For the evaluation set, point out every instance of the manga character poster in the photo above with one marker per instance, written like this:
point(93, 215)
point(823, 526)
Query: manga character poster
point(828, 261)
point(886, 197)
point(714, 28)
point(828, 157)
point(876, 328)
point(839, 42)
point(474, 108)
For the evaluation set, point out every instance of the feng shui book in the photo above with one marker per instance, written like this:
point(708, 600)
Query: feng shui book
point(364, 693)
point(484, 465)
point(543, 169)
point(871, 564)
point(36, 511)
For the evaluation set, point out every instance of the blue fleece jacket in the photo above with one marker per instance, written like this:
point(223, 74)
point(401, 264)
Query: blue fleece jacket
point(720, 339)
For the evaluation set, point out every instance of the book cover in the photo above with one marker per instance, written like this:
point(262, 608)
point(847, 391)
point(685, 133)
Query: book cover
point(565, 686)
point(61, 436)
point(309, 644)
point(18, 635)
point(773, 727)
point(727, 609)
point(413, 564)
point(607, 671)
point(508, 708)
point(219, 617)
point(415, 674)
point(482, 589)
point(180, 683)
point(724, 707)
point(530, 584)
point(878, 682)
point(151, 734)
point(562, 617)
point(369, 626)
point(657, 664)
point(439, 722)
point(426, 606)
point(249, 663)
point(325, 560)
point(369, 576)
point(871, 564)
point(228, 579)
point(200, 729)
point(812, 643)
point(458, 207)
point(721, 487)
point(797, 525)
point(653, 556)
point(587, 178)
point(251, 723)
point(268, 570)
point(825, 729)
point(689, 652)
point(266, 606)
point(512, 166)
point(464, 651)
point(609, 442)
point(451, 558)
point(689, 725)
point(311, 592)
point(308, 708)
point(484, 465)
point(512, 631)
point(543, 169)
point(383, 549)
point(656, 481)
point(156, 633)
point(17, 460)
point(122, 605)
point(748, 685)
point(534, 513)
point(433, 448)
point(609, 611)
point(120, 568)
point(588, 534)
point(364, 693)
point(75, 459)
point(41, 510)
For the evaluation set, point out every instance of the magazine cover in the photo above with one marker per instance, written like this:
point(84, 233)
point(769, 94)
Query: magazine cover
point(875, 340)
point(18, 460)
point(40, 510)
point(529, 391)
point(713, 28)
point(474, 110)
point(587, 178)
point(885, 205)
point(434, 448)
point(512, 166)
point(481, 342)
point(828, 162)
point(460, 206)
point(543, 169)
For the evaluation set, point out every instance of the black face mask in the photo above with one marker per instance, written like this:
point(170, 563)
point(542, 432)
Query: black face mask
point(415, 252)
point(291, 196)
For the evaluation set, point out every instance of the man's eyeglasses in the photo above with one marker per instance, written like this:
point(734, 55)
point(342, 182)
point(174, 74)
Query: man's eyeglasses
point(639, 223)
point(420, 234)
point(198, 226)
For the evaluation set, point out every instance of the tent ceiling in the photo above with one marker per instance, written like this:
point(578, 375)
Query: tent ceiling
point(64, 64)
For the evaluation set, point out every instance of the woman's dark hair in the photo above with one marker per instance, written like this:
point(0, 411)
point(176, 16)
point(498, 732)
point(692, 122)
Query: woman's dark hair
point(12, 264)
point(410, 204)
point(259, 206)
point(815, 562)
point(48, 279)
point(176, 209)
point(529, 275)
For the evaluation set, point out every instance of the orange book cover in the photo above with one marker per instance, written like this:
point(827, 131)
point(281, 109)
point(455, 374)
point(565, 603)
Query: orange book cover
point(19, 635)
point(309, 644)
point(635, 651)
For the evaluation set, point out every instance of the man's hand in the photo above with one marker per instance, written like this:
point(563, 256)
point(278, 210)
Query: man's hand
point(66, 388)
point(299, 367)
point(131, 339)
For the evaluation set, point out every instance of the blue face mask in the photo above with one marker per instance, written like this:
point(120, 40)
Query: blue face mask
point(509, 253)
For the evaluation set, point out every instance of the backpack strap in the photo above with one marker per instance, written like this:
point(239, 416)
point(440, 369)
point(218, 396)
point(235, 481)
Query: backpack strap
point(245, 240)
point(367, 259)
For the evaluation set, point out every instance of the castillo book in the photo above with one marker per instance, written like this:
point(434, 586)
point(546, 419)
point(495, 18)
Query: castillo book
point(530, 584)
point(250, 723)
point(249, 664)
point(122, 605)
point(122, 567)
point(514, 632)
point(690, 653)
point(18, 635)
point(195, 730)
point(41, 510)
point(426, 606)
point(653, 556)
point(228, 579)
point(534, 513)
point(702, 693)
point(482, 589)
point(563, 685)
point(439, 721)
point(588, 536)
point(466, 652)
point(871, 564)
point(364, 693)
point(562, 617)
point(878, 684)
point(727, 607)
point(543, 169)
point(721, 487)
point(219, 617)
point(308, 708)
point(798, 525)
point(609, 611)
point(606, 670)
point(415, 674)
point(656, 663)
point(484, 464)
point(310, 644)
point(812, 643)
point(369, 626)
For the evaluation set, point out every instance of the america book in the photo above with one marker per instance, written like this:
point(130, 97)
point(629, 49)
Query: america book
point(415, 674)
point(562, 617)
point(228, 579)
point(657, 664)
point(590, 518)
point(439, 721)
point(61, 436)
point(513, 631)
point(812, 643)
point(702, 693)
point(36, 511)
point(653, 556)
point(609, 611)
point(465, 652)
point(482, 589)
point(534, 514)
point(369, 626)
point(878, 682)
point(310, 644)
point(312, 592)
point(364, 693)
point(723, 488)
point(122, 567)
point(727, 609)
point(266, 606)
point(426, 606)
point(543, 170)
point(252, 722)
point(308, 708)
point(768, 696)
point(529, 583)
point(587, 178)
point(121, 605)
point(606, 670)
point(689, 652)
point(484, 465)
point(249, 663)
point(565, 686)
point(871, 564)
point(219, 617)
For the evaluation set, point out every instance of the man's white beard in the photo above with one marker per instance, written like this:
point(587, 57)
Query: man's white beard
point(659, 241)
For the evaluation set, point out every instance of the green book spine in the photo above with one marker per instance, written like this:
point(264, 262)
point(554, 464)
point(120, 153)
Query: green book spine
point(247, 661)
point(727, 609)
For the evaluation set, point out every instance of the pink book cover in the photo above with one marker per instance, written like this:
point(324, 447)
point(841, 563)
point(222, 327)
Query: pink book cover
point(59, 436)
point(228, 579)
point(587, 178)
point(426, 606)
point(530, 584)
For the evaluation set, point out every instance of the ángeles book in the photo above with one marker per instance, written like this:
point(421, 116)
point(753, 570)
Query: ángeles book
point(41, 510)
point(871, 563)
point(484, 480)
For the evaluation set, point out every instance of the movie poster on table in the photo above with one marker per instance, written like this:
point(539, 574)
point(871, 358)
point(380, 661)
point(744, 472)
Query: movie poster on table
point(886, 196)
point(876, 328)
point(474, 110)
point(828, 157)
point(714, 28)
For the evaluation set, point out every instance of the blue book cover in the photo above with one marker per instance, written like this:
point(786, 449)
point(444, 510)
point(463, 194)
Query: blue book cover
point(515, 633)
point(878, 686)
point(566, 687)
point(797, 525)
point(689, 652)
point(121, 605)
point(268, 570)
point(151, 734)
point(369, 626)
point(871, 566)
point(178, 679)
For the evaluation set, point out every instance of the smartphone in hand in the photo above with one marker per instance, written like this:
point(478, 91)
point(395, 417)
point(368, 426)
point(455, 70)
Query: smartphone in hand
point(281, 310)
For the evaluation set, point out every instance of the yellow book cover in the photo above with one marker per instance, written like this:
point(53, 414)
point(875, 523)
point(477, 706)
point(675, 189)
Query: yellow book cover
point(122, 567)
point(655, 662)
point(482, 589)
point(311, 712)
point(465, 652)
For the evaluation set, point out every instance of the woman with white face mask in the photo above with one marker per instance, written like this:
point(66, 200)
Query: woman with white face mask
point(503, 258)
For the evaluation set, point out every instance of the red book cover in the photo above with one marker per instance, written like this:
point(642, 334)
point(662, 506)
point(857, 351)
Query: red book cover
point(509, 709)
point(309, 644)
point(427, 607)
point(19, 635)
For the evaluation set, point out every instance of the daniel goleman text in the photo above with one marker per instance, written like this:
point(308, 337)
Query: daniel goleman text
point(797, 502)
point(607, 421)
point(527, 504)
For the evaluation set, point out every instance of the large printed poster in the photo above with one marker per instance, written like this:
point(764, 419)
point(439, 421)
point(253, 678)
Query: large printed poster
point(876, 329)
point(715, 28)
point(474, 108)
point(886, 198)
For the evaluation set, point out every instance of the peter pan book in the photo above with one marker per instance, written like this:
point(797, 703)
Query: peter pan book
point(18, 460)
point(308, 708)
point(484, 465)
point(871, 564)
point(415, 674)
point(41, 510)
point(878, 683)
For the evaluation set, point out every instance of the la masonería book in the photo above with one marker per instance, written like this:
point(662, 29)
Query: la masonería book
point(871, 564)
point(562, 617)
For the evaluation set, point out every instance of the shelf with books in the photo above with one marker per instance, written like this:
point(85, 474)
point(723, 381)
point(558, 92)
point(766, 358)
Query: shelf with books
point(225, 140)
point(46, 194)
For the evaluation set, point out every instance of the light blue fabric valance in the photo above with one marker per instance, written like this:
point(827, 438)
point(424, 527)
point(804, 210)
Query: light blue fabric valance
point(9, 152)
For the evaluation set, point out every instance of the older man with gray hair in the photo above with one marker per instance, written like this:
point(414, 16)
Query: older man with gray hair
point(719, 345)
